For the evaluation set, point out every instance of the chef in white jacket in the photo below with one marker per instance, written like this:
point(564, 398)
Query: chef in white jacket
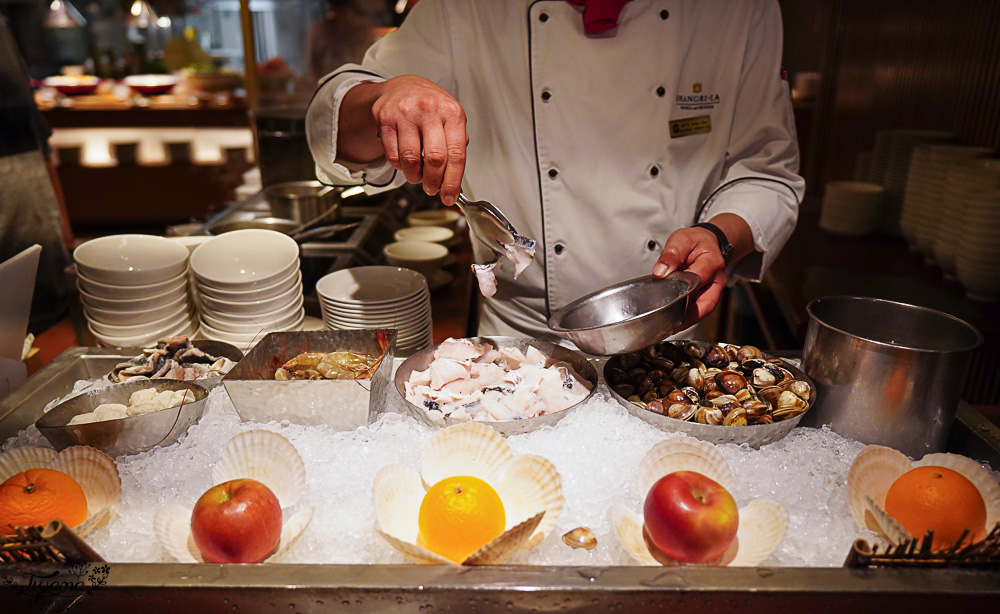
point(604, 129)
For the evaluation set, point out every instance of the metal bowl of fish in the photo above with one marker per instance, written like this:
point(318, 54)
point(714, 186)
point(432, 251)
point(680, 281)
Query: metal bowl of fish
point(716, 392)
point(180, 358)
point(513, 384)
point(628, 316)
point(126, 418)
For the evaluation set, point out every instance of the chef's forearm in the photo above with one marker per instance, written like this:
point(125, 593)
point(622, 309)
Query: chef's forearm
point(357, 130)
point(737, 231)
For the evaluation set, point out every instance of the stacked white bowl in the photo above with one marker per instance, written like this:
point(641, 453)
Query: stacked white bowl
point(965, 178)
point(134, 289)
point(977, 261)
point(379, 297)
point(247, 283)
point(851, 208)
point(901, 144)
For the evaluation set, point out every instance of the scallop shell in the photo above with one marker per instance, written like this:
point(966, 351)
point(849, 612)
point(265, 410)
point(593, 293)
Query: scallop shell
point(507, 544)
point(684, 453)
point(17, 460)
point(628, 529)
point(885, 525)
point(531, 484)
point(470, 448)
point(172, 526)
point(267, 457)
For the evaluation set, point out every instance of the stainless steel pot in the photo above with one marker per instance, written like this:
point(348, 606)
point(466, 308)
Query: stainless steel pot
point(886, 373)
point(303, 201)
point(288, 227)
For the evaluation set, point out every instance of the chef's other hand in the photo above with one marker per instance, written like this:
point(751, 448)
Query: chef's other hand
point(421, 128)
point(697, 250)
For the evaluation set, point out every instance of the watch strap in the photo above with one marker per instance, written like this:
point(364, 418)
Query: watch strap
point(724, 245)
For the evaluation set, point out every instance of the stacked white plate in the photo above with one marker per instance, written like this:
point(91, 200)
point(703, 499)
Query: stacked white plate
point(134, 289)
point(247, 284)
point(965, 178)
point(977, 261)
point(901, 144)
point(379, 297)
point(851, 208)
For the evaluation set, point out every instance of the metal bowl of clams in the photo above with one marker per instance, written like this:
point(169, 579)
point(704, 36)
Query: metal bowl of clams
point(127, 435)
point(553, 355)
point(718, 393)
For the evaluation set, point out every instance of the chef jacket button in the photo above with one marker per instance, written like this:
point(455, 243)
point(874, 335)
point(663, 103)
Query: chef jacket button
point(553, 173)
point(651, 245)
point(654, 171)
point(661, 91)
point(543, 17)
point(560, 248)
point(546, 95)
point(664, 14)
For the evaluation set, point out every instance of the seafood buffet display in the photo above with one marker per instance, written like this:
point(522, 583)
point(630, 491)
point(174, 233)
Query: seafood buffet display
point(172, 358)
point(330, 365)
point(475, 381)
point(140, 402)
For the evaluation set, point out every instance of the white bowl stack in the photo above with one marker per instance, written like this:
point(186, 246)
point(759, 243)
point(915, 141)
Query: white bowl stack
point(248, 283)
point(965, 178)
point(977, 261)
point(379, 297)
point(134, 289)
point(901, 144)
point(851, 208)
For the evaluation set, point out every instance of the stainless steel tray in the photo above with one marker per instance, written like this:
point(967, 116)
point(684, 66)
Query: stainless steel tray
point(419, 588)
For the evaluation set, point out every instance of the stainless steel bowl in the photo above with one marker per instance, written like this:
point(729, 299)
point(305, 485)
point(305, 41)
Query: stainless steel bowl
point(628, 316)
point(130, 435)
point(422, 359)
point(303, 201)
point(755, 435)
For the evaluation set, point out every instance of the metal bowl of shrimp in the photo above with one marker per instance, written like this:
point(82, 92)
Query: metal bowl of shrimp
point(513, 384)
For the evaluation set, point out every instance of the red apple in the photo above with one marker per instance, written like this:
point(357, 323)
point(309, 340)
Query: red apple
point(238, 521)
point(690, 517)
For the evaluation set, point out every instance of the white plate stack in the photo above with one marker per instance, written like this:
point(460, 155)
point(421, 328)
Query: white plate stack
point(379, 297)
point(247, 284)
point(851, 208)
point(901, 144)
point(965, 178)
point(134, 289)
point(977, 261)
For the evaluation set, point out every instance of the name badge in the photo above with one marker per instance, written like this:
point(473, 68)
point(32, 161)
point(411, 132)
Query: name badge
point(690, 125)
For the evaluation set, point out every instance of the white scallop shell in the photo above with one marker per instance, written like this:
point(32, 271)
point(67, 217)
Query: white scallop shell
point(507, 544)
point(684, 453)
point(13, 462)
point(397, 494)
point(870, 476)
point(762, 526)
point(267, 457)
point(172, 526)
point(885, 525)
point(530, 484)
point(470, 448)
point(977, 474)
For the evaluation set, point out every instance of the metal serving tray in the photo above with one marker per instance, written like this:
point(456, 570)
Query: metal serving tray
point(418, 588)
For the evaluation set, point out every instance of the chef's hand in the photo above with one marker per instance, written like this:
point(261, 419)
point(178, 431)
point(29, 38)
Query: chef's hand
point(697, 250)
point(416, 125)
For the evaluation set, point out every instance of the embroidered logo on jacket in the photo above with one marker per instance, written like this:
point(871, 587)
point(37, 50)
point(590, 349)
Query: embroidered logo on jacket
point(697, 100)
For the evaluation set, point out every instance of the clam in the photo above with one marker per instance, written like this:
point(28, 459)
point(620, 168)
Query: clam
point(629, 360)
point(676, 396)
point(748, 352)
point(730, 381)
point(708, 415)
point(755, 407)
point(265, 456)
point(682, 411)
point(763, 377)
point(694, 350)
point(789, 405)
point(695, 379)
point(717, 356)
point(691, 394)
point(762, 522)
point(93, 470)
point(797, 386)
point(624, 390)
point(736, 417)
point(656, 406)
point(580, 537)
point(529, 487)
point(877, 467)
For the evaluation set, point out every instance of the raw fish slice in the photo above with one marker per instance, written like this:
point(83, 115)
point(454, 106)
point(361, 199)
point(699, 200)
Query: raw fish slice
point(291, 530)
point(470, 448)
point(486, 278)
point(507, 544)
point(977, 474)
point(172, 526)
point(534, 356)
point(487, 374)
point(96, 474)
point(870, 476)
point(511, 358)
point(520, 255)
point(762, 527)
point(531, 484)
point(684, 453)
point(885, 525)
point(447, 370)
point(461, 349)
point(267, 457)
point(397, 494)
point(419, 378)
point(17, 460)
point(628, 529)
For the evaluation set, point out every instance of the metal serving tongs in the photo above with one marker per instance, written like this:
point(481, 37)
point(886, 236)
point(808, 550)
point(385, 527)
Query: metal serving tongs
point(491, 226)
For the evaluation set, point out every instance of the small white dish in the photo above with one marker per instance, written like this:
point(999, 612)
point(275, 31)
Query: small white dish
point(371, 285)
point(245, 259)
point(131, 260)
point(423, 257)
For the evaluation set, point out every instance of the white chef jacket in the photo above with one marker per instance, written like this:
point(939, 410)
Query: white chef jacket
point(577, 139)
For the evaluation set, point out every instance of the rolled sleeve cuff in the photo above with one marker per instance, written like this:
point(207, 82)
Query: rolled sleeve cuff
point(770, 208)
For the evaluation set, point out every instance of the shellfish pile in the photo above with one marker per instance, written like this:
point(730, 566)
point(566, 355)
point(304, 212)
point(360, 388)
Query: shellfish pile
point(721, 384)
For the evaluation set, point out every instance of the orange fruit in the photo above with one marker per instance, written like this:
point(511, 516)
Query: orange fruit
point(460, 515)
point(938, 499)
point(38, 496)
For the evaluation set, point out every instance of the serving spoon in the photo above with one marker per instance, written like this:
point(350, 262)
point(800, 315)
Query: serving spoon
point(491, 226)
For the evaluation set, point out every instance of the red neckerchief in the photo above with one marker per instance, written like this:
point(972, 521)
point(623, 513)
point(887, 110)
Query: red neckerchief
point(600, 15)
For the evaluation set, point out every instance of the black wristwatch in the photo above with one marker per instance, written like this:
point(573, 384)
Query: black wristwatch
point(724, 245)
